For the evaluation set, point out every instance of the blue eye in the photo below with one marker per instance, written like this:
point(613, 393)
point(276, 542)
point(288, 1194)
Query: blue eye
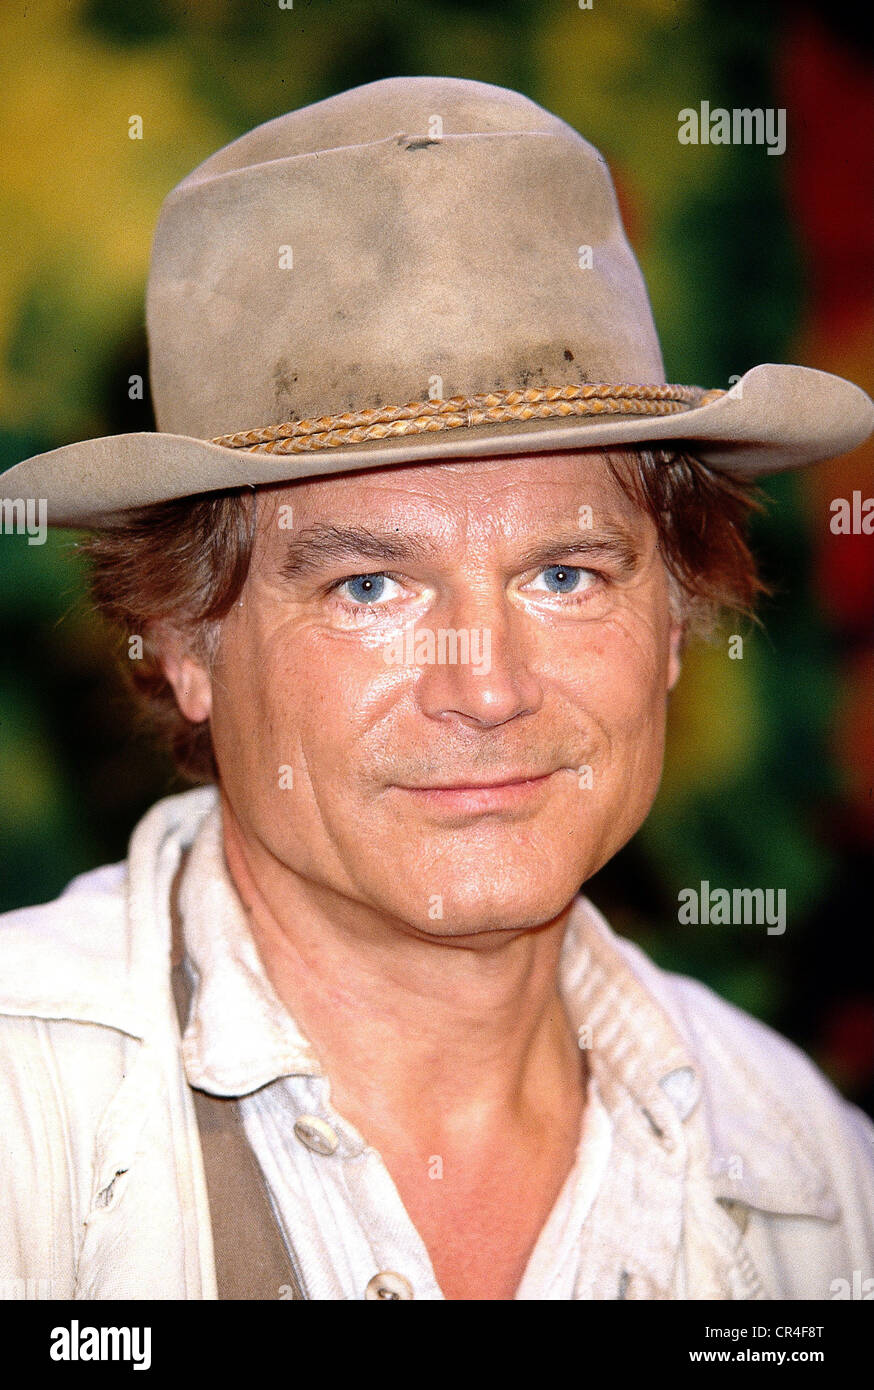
point(562, 579)
point(572, 580)
point(365, 588)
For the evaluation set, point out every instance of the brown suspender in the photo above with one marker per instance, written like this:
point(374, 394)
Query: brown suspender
point(251, 1261)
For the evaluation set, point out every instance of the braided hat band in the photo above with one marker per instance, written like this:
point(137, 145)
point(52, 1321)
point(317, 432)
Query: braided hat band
point(489, 408)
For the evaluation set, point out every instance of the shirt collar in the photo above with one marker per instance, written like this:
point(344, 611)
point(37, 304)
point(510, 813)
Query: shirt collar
point(239, 1035)
point(679, 1051)
point(621, 1006)
point(622, 1028)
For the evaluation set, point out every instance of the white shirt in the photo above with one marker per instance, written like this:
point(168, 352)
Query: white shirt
point(340, 1212)
point(736, 1170)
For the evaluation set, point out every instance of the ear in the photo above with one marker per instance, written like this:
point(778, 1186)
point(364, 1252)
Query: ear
point(676, 640)
point(187, 675)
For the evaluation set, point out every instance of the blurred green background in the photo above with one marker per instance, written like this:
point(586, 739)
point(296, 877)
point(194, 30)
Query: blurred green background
point(748, 257)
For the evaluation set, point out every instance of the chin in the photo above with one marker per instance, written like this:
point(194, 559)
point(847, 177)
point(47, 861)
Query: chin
point(488, 905)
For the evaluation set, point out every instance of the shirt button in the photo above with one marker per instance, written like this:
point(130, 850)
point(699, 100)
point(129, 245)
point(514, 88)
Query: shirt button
point(387, 1284)
point(316, 1134)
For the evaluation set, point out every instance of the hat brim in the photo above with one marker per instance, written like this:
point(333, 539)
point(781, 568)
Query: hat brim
point(776, 417)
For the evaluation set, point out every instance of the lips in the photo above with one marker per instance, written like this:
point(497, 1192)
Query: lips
point(512, 780)
point(472, 799)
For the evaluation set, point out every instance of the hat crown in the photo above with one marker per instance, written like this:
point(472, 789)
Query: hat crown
point(410, 237)
point(377, 111)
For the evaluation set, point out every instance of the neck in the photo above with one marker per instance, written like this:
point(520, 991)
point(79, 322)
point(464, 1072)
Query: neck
point(424, 1039)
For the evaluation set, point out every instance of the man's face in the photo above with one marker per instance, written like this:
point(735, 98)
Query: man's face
point(351, 744)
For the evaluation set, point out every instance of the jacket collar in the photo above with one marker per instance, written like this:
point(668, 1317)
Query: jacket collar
point(100, 952)
point(715, 1065)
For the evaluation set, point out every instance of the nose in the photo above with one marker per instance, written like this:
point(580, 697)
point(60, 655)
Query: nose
point(478, 668)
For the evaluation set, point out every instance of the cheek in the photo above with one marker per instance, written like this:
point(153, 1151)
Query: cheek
point(302, 697)
point(616, 683)
point(255, 690)
point(618, 669)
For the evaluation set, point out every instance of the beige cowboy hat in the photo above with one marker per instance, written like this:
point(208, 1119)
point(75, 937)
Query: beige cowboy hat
point(419, 268)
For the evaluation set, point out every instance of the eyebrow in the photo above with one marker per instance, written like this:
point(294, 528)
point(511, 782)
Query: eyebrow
point(322, 544)
point(608, 542)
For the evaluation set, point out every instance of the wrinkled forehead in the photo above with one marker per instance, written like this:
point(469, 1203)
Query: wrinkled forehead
point(503, 496)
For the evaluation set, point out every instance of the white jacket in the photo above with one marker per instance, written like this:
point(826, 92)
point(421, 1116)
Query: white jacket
point(102, 1192)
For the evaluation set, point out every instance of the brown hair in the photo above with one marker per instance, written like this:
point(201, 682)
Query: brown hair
point(185, 562)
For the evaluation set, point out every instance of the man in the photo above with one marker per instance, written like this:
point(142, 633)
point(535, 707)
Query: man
point(410, 562)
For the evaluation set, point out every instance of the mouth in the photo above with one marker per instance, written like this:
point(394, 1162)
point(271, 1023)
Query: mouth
point(501, 794)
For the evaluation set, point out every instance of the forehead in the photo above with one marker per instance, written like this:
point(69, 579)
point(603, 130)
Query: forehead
point(516, 491)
